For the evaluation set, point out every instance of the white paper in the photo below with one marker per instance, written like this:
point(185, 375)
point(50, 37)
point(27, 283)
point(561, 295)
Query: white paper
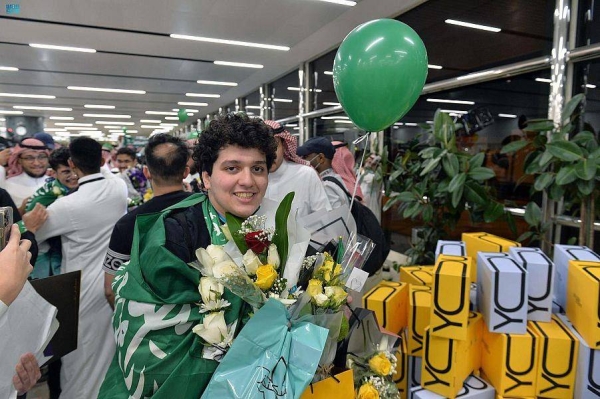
point(357, 279)
point(27, 326)
point(324, 226)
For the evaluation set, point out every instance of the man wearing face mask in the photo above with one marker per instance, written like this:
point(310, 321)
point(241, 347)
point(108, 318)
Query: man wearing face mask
point(319, 152)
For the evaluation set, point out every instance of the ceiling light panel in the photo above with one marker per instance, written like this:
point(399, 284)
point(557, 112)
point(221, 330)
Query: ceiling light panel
point(238, 64)
point(441, 100)
point(98, 106)
point(216, 83)
point(106, 90)
point(114, 123)
point(168, 113)
point(473, 26)
point(202, 95)
point(192, 104)
point(9, 69)
point(230, 42)
point(21, 95)
point(10, 112)
point(150, 120)
point(62, 48)
point(36, 108)
point(111, 116)
point(61, 118)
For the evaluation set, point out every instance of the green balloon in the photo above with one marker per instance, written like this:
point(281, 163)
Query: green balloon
point(182, 114)
point(379, 72)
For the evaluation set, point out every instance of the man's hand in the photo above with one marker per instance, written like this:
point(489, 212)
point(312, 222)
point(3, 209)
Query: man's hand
point(23, 206)
point(15, 266)
point(27, 373)
point(35, 218)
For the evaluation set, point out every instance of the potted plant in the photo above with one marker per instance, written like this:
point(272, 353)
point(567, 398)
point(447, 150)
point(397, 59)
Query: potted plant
point(436, 183)
point(564, 169)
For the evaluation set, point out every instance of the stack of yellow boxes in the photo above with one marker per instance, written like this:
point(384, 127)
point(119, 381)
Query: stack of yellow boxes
point(485, 242)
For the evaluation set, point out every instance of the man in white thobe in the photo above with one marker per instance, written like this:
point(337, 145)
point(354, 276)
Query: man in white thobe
point(84, 220)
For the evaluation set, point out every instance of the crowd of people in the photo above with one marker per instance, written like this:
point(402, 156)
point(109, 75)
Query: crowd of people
point(79, 205)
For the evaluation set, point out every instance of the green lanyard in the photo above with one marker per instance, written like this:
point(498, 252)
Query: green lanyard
point(213, 223)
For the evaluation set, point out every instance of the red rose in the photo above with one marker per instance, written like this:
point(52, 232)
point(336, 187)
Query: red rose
point(256, 243)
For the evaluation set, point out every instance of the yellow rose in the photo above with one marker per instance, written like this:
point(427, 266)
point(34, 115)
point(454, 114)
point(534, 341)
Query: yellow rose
point(380, 364)
point(265, 277)
point(315, 287)
point(337, 270)
point(367, 391)
point(337, 294)
point(326, 270)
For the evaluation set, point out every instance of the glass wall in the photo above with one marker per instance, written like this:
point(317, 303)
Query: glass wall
point(284, 98)
point(322, 94)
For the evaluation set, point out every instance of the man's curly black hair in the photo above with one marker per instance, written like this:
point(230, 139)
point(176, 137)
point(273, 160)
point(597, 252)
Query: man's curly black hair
point(233, 129)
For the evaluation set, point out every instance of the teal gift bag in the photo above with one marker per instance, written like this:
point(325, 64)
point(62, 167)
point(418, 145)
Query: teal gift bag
point(272, 357)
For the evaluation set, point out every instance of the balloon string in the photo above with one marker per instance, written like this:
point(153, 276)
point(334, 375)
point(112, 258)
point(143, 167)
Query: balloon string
point(362, 159)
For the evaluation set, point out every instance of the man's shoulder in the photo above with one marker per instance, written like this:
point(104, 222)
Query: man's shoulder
point(156, 204)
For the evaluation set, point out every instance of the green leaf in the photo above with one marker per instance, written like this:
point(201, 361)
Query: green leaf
point(280, 238)
point(585, 169)
point(481, 173)
point(406, 196)
point(542, 126)
point(457, 194)
point(586, 187)
point(534, 165)
point(531, 157)
point(493, 211)
point(429, 165)
point(476, 160)
point(572, 241)
point(412, 210)
point(570, 107)
point(525, 236)
point(545, 158)
point(586, 139)
point(427, 213)
point(450, 164)
point(394, 176)
point(566, 175)
point(390, 203)
point(564, 150)
point(533, 214)
point(540, 140)
point(512, 225)
point(514, 146)
point(428, 152)
point(556, 192)
point(235, 224)
point(475, 192)
point(457, 182)
point(543, 181)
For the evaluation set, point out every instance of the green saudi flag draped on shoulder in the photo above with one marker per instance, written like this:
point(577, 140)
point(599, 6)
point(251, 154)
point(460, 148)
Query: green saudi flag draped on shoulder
point(156, 308)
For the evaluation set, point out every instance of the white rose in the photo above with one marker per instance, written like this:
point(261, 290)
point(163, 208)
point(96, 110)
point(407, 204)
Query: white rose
point(213, 328)
point(217, 253)
point(226, 269)
point(251, 262)
point(205, 260)
point(273, 256)
point(321, 299)
point(210, 289)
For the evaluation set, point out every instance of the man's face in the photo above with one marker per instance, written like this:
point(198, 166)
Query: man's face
point(279, 159)
point(34, 163)
point(238, 182)
point(67, 177)
point(314, 160)
point(124, 162)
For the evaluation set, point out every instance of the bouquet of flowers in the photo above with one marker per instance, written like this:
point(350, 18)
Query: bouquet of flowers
point(138, 180)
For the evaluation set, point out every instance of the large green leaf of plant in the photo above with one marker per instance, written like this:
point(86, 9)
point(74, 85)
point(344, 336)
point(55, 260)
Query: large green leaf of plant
point(587, 140)
point(542, 126)
point(457, 182)
point(476, 160)
point(545, 159)
point(234, 224)
point(281, 231)
point(429, 165)
point(564, 150)
point(481, 173)
point(585, 169)
point(450, 164)
point(457, 195)
point(493, 211)
point(543, 181)
point(533, 214)
point(566, 175)
point(556, 192)
point(475, 192)
point(586, 187)
point(570, 107)
point(514, 146)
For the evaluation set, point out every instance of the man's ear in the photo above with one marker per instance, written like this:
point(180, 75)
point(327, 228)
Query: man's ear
point(186, 172)
point(147, 173)
point(71, 164)
point(206, 180)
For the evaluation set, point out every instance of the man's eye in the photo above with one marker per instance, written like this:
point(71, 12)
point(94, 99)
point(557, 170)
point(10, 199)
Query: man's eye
point(259, 169)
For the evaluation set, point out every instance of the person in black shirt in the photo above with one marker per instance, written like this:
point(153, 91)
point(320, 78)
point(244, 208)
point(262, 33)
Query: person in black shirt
point(166, 158)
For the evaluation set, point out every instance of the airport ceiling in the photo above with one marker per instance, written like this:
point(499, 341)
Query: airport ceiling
point(134, 49)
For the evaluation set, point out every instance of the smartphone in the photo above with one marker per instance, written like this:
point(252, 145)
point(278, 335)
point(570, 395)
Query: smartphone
point(6, 221)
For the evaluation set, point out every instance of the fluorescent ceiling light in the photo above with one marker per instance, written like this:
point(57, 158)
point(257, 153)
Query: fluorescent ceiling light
point(589, 86)
point(330, 103)
point(398, 124)
point(73, 124)
point(186, 110)
point(172, 118)
point(543, 80)
point(216, 83)
point(62, 118)
point(202, 95)
point(410, 124)
point(2, 120)
point(114, 116)
point(328, 73)
point(334, 117)
point(7, 68)
point(341, 2)
point(441, 100)
point(26, 95)
point(230, 42)
point(238, 64)
point(168, 124)
point(53, 129)
point(97, 106)
point(298, 89)
point(105, 90)
point(474, 26)
point(282, 100)
point(291, 124)
point(121, 131)
point(151, 127)
point(64, 48)
point(477, 74)
point(192, 104)
point(7, 112)
point(161, 113)
point(150, 120)
point(79, 128)
point(432, 66)
point(452, 111)
point(253, 107)
point(507, 116)
point(342, 121)
point(114, 123)
point(36, 108)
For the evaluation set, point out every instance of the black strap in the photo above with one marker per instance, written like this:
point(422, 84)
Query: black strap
point(339, 184)
point(180, 218)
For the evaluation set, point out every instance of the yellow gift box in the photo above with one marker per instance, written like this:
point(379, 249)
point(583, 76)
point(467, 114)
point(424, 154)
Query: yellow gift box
point(419, 311)
point(447, 363)
point(557, 359)
point(510, 362)
point(583, 300)
point(451, 290)
point(389, 301)
point(400, 376)
point(342, 386)
point(485, 242)
point(417, 275)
